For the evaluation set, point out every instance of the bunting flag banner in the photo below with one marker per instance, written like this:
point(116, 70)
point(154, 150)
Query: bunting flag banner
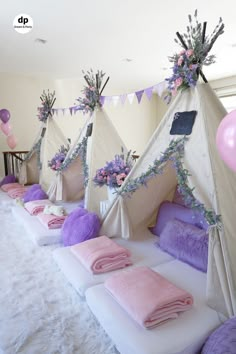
point(102, 100)
point(148, 91)
point(158, 88)
point(130, 97)
point(123, 98)
point(115, 100)
point(139, 95)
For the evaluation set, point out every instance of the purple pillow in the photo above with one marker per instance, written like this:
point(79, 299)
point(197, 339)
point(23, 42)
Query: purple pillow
point(8, 179)
point(222, 340)
point(185, 242)
point(34, 193)
point(79, 226)
point(169, 211)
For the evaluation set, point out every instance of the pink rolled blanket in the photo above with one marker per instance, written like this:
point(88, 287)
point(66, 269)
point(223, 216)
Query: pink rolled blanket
point(101, 254)
point(8, 186)
point(17, 192)
point(37, 206)
point(51, 221)
point(148, 297)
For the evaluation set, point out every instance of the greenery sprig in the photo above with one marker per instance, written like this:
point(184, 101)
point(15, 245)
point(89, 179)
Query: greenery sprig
point(174, 153)
point(79, 150)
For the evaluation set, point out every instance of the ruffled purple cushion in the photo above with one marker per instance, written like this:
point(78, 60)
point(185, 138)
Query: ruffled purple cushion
point(79, 226)
point(8, 179)
point(185, 242)
point(34, 193)
point(222, 340)
point(169, 211)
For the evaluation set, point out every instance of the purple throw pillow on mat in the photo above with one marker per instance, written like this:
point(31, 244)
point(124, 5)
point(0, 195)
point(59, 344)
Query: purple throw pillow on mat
point(79, 226)
point(8, 179)
point(185, 242)
point(222, 340)
point(168, 211)
point(34, 193)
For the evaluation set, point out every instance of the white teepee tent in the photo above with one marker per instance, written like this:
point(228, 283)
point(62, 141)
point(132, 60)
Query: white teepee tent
point(103, 144)
point(30, 167)
point(215, 188)
point(53, 138)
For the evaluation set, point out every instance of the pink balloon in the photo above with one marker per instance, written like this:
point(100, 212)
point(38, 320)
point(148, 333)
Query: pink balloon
point(226, 140)
point(11, 141)
point(5, 128)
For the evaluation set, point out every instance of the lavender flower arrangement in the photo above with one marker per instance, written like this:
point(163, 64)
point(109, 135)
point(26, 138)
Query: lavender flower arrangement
point(48, 99)
point(114, 172)
point(57, 160)
point(188, 63)
point(92, 91)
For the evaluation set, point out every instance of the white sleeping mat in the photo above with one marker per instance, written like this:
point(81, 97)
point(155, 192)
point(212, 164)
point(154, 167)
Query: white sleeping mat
point(38, 232)
point(184, 335)
point(144, 252)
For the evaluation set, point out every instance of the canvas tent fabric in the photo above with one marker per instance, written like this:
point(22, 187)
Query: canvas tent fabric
point(215, 186)
point(68, 184)
point(30, 167)
point(102, 146)
point(53, 139)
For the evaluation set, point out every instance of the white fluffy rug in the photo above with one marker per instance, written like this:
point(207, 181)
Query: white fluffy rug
point(40, 313)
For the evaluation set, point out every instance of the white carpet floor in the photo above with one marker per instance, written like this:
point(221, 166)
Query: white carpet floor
point(40, 313)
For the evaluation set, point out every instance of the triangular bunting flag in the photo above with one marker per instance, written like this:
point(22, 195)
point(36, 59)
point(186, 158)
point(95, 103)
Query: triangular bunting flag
point(115, 100)
point(148, 92)
point(102, 100)
point(139, 95)
point(130, 97)
point(108, 99)
point(63, 111)
point(123, 98)
point(53, 111)
point(71, 110)
point(159, 88)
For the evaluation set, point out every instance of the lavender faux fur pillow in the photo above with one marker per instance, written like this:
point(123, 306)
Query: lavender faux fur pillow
point(186, 242)
point(79, 226)
point(168, 211)
point(222, 340)
point(8, 179)
point(35, 192)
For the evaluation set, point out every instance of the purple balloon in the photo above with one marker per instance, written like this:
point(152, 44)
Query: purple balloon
point(4, 115)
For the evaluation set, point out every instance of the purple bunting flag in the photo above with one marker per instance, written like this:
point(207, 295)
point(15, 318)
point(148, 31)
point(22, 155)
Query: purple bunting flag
point(123, 98)
point(102, 100)
point(139, 95)
point(71, 110)
point(148, 92)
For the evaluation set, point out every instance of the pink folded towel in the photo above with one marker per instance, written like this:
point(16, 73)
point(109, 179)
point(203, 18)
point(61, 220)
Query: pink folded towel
point(101, 254)
point(17, 192)
point(8, 186)
point(36, 206)
point(149, 298)
point(51, 221)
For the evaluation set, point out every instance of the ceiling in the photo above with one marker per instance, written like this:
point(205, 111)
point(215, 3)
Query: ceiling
point(103, 34)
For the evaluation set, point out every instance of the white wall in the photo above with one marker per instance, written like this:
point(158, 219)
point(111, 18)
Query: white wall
point(21, 96)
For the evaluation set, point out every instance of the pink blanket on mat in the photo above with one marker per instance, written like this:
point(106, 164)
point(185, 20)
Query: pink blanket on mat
point(17, 192)
point(37, 206)
point(51, 221)
point(8, 186)
point(101, 254)
point(149, 298)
